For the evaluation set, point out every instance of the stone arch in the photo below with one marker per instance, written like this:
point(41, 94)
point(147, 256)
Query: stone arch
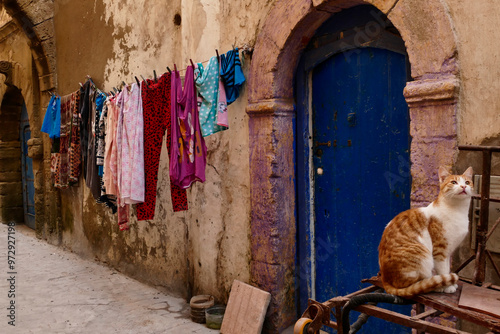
point(15, 92)
point(16, 76)
point(428, 33)
point(35, 19)
point(11, 192)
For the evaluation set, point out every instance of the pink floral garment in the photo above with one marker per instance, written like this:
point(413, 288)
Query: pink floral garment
point(110, 177)
point(131, 177)
point(123, 210)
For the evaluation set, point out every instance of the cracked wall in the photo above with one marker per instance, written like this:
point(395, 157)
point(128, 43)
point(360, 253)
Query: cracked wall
point(205, 248)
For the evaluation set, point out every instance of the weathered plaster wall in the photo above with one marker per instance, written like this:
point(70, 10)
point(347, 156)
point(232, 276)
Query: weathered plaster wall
point(476, 24)
point(205, 248)
point(479, 107)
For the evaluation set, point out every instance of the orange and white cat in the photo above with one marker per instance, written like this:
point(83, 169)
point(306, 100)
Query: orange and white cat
point(416, 246)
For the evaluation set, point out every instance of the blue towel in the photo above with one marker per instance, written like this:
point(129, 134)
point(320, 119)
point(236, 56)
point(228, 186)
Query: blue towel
point(52, 120)
point(232, 75)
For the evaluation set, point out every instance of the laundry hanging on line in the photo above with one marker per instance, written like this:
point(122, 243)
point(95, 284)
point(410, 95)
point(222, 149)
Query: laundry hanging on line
point(108, 131)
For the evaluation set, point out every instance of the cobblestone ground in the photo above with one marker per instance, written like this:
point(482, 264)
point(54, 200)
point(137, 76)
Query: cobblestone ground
point(46, 289)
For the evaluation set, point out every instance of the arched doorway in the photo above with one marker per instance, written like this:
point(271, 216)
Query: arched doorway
point(355, 164)
point(13, 158)
point(431, 96)
point(33, 76)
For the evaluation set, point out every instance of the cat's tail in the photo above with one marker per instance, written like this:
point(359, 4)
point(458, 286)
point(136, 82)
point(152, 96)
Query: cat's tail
point(423, 286)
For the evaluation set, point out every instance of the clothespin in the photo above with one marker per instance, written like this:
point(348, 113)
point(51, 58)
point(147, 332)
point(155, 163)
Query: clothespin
point(169, 70)
point(145, 81)
point(116, 90)
point(217, 52)
point(175, 67)
point(154, 73)
point(80, 84)
point(137, 80)
point(191, 63)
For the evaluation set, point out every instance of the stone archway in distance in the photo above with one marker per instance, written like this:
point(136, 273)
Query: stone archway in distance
point(35, 19)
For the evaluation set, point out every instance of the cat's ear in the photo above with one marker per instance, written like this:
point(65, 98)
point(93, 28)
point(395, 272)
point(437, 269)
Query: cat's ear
point(443, 174)
point(468, 173)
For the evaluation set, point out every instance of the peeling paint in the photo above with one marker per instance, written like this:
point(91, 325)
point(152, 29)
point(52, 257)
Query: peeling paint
point(143, 36)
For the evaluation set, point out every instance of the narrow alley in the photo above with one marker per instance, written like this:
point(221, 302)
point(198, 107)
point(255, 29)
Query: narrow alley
point(45, 289)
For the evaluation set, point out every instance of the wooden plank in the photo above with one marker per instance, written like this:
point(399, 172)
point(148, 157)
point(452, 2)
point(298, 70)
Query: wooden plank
point(480, 299)
point(246, 309)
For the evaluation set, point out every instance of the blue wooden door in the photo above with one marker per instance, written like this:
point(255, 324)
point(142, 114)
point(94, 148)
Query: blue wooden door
point(361, 166)
point(27, 172)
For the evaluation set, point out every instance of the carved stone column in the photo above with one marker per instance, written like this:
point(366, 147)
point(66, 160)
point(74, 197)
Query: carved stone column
point(6, 69)
point(273, 234)
point(433, 112)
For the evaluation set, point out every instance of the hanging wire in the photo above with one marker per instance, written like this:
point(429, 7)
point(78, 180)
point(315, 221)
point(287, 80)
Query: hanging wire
point(245, 50)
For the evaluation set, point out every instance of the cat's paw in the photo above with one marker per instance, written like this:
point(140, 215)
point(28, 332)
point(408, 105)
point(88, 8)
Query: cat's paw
point(450, 289)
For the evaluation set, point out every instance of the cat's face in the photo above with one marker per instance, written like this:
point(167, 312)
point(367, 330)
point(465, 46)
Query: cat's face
point(456, 185)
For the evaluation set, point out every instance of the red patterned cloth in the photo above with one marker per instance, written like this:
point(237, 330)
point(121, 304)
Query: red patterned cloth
point(156, 113)
point(75, 158)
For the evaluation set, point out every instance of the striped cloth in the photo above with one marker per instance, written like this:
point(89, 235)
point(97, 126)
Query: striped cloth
point(232, 75)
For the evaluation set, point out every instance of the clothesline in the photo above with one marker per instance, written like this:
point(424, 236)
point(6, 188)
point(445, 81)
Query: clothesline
point(245, 49)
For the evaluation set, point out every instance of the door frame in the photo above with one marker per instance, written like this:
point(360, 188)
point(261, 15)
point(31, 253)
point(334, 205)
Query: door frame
point(432, 96)
point(306, 221)
point(25, 124)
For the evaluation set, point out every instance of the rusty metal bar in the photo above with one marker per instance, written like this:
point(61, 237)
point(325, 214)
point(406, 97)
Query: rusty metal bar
point(492, 199)
point(407, 321)
point(420, 310)
point(482, 226)
point(369, 289)
point(333, 324)
point(486, 285)
point(493, 263)
point(492, 229)
point(429, 313)
point(338, 316)
point(479, 148)
point(482, 233)
point(463, 265)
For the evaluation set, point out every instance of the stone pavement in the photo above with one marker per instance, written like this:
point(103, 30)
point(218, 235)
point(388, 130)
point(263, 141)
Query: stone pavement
point(56, 291)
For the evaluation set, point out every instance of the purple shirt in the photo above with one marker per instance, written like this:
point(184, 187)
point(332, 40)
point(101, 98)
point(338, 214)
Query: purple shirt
point(188, 150)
